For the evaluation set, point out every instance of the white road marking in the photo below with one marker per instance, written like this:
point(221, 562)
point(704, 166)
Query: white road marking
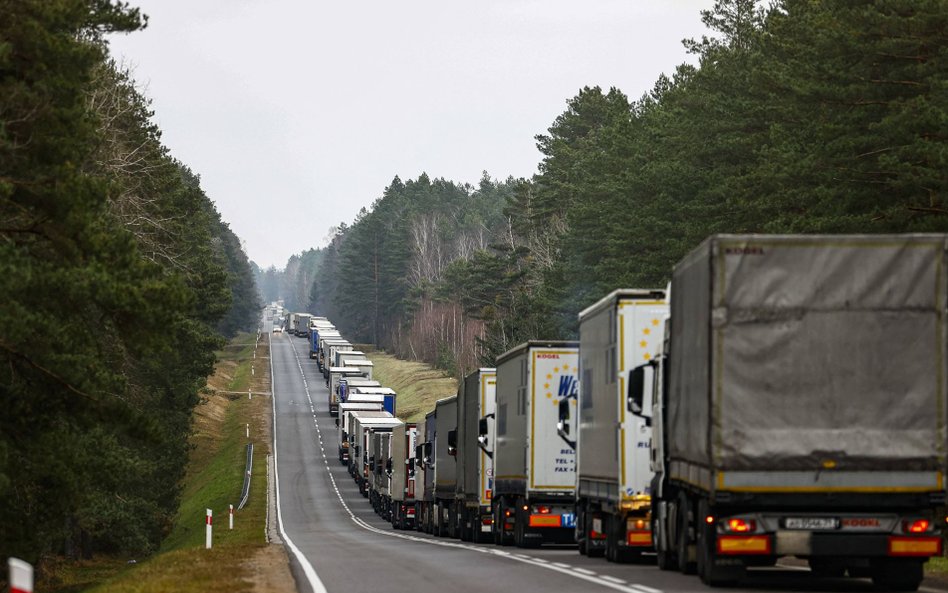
point(308, 571)
point(584, 571)
point(603, 581)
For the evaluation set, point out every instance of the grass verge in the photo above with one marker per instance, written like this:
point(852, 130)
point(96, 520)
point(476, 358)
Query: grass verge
point(214, 480)
point(418, 385)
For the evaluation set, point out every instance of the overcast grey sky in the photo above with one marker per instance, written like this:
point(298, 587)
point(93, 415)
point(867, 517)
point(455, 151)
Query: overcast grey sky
point(297, 113)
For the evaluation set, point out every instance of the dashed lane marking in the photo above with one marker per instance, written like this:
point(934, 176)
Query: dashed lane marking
point(585, 575)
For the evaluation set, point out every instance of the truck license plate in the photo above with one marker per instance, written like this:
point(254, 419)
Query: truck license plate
point(811, 523)
point(568, 520)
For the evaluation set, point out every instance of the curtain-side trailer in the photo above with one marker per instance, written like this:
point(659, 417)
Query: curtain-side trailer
point(404, 440)
point(800, 406)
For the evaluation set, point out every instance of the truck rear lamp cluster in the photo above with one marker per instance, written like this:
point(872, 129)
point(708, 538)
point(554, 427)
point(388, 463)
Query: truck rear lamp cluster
point(917, 526)
point(637, 525)
point(541, 509)
point(734, 524)
point(739, 525)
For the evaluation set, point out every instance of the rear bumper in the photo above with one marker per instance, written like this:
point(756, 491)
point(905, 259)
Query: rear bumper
point(830, 545)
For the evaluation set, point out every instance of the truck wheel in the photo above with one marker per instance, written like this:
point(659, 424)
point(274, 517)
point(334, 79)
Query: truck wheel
point(712, 575)
point(891, 574)
point(580, 529)
point(683, 541)
point(663, 558)
point(497, 527)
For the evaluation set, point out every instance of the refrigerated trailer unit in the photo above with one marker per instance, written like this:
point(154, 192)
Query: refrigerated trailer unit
point(476, 403)
point(380, 471)
point(360, 446)
point(800, 406)
point(404, 440)
point(535, 473)
point(343, 423)
point(335, 375)
point(621, 331)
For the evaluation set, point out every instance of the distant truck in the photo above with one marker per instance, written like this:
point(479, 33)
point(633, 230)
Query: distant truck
point(380, 467)
point(445, 467)
point(404, 440)
point(799, 406)
point(302, 324)
point(344, 420)
point(535, 471)
point(336, 374)
point(621, 331)
point(475, 466)
point(314, 332)
point(425, 458)
point(360, 450)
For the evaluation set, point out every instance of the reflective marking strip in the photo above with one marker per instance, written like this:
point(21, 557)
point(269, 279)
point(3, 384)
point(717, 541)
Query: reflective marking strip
point(744, 544)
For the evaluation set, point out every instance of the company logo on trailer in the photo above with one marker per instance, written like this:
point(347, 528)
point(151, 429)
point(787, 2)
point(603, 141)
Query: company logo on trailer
point(551, 356)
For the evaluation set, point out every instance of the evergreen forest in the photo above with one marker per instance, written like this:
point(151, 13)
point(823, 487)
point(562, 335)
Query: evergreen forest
point(118, 282)
point(798, 117)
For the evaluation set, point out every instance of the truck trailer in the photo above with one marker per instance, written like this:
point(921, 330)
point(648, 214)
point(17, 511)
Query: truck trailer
point(404, 439)
point(799, 407)
point(621, 331)
point(535, 471)
point(475, 466)
point(445, 466)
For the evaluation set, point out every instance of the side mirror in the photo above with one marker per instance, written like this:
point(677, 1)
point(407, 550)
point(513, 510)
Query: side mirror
point(452, 442)
point(388, 466)
point(635, 401)
point(372, 463)
point(337, 421)
point(483, 430)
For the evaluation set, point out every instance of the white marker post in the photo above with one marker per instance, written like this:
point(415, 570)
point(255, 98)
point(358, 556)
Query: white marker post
point(248, 430)
point(249, 395)
point(21, 576)
point(208, 520)
point(231, 516)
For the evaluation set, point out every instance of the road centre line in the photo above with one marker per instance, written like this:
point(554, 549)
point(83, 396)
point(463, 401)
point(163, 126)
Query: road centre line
point(603, 581)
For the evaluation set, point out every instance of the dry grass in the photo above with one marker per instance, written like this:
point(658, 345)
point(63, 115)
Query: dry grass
point(418, 385)
point(240, 561)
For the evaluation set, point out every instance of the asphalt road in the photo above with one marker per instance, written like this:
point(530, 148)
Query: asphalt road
point(344, 547)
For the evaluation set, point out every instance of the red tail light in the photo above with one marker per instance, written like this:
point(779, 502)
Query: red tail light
point(543, 509)
point(916, 526)
point(738, 525)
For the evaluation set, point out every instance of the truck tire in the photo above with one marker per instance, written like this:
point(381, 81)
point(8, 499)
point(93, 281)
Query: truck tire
point(894, 574)
point(683, 508)
point(712, 575)
point(580, 530)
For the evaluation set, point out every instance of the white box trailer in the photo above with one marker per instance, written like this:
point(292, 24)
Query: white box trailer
point(475, 483)
point(389, 395)
point(445, 467)
point(342, 355)
point(326, 337)
point(359, 454)
point(623, 330)
point(404, 441)
point(335, 375)
point(380, 468)
point(535, 471)
point(801, 407)
point(343, 420)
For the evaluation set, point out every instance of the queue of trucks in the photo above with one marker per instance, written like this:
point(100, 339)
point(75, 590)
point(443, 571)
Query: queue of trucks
point(783, 396)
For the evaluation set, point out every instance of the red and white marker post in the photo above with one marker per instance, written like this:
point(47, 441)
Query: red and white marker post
point(21, 576)
point(209, 520)
point(231, 516)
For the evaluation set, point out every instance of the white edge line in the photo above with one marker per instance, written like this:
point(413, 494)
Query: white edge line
point(314, 582)
point(595, 579)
